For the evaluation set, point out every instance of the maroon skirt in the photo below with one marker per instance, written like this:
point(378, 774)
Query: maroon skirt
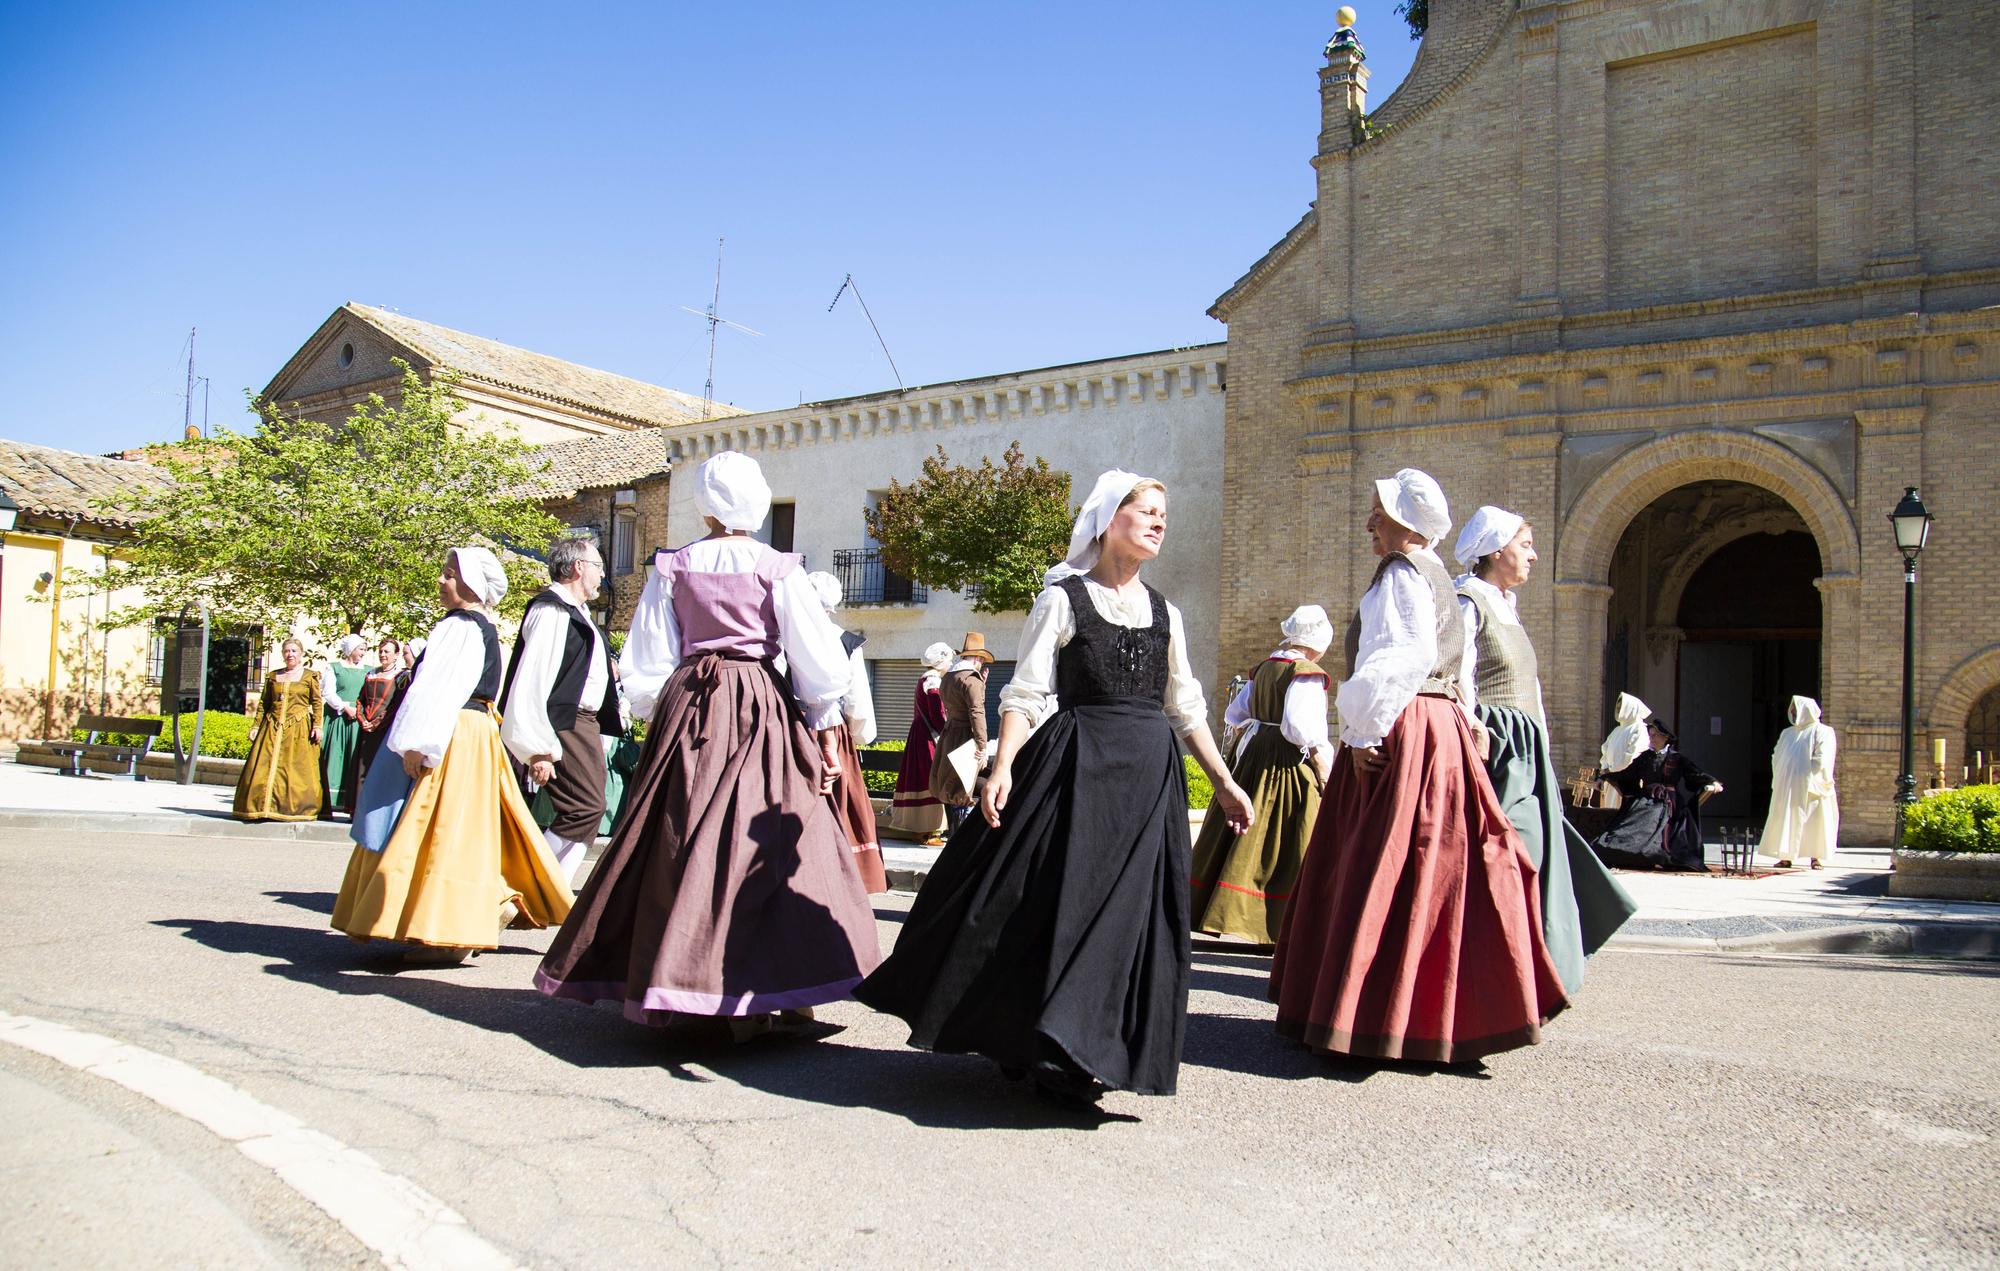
point(857, 815)
point(729, 888)
point(1415, 930)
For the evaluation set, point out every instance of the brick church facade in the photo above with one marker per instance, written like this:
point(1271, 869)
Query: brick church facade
point(1698, 288)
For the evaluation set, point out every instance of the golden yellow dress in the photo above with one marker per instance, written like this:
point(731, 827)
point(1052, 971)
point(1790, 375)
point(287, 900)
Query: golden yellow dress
point(281, 780)
point(465, 843)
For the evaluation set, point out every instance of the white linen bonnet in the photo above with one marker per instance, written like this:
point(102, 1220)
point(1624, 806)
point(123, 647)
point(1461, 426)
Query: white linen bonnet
point(730, 487)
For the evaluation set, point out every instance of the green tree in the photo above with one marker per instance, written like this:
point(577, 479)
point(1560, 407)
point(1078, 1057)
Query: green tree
point(1418, 14)
point(344, 525)
point(992, 530)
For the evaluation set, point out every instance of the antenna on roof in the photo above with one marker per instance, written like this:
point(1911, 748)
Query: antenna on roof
point(187, 398)
point(715, 320)
point(848, 286)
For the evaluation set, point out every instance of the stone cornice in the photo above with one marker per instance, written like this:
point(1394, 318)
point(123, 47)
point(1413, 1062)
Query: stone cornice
point(1909, 324)
point(1107, 385)
point(1266, 265)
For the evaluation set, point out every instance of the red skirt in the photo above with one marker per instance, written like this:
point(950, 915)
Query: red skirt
point(1415, 930)
point(856, 815)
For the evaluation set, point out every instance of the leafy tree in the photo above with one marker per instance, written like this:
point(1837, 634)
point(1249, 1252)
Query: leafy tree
point(343, 525)
point(1418, 14)
point(991, 530)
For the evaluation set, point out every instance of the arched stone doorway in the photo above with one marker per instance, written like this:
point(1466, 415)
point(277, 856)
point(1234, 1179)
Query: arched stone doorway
point(1714, 619)
point(1982, 733)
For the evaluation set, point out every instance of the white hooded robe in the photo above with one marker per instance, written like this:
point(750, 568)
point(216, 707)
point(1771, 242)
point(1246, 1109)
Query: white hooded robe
point(1805, 813)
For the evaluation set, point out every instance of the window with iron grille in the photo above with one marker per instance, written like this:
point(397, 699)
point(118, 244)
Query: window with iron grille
point(865, 580)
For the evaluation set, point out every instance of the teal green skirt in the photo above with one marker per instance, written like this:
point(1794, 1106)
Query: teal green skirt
point(1582, 904)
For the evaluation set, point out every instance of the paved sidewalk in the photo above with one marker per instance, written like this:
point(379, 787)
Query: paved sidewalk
point(1845, 908)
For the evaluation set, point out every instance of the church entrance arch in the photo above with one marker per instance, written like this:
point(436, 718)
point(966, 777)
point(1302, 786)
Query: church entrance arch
point(1724, 544)
point(1715, 621)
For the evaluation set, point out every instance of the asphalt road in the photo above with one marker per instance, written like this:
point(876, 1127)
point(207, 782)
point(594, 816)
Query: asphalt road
point(1690, 1110)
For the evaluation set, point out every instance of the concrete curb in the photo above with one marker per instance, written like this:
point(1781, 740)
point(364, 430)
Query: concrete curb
point(178, 824)
point(1949, 941)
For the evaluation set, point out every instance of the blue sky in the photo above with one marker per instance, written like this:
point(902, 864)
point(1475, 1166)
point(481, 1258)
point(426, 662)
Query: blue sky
point(1011, 186)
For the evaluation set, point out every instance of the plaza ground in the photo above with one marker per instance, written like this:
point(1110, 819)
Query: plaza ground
point(1693, 1108)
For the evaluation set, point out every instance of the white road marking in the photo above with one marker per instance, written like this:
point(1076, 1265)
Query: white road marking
point(407, 1225)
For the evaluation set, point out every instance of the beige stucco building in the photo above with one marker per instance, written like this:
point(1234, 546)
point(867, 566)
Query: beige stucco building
point(1699, 288)
point(1158, 413)
point(54, 662)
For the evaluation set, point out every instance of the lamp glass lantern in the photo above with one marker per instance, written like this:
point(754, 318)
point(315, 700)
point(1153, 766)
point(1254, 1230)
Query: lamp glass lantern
point(10, 512)
point(1912, 522)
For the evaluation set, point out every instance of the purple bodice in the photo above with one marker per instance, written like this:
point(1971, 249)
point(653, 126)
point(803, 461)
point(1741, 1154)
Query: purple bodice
point(726, 613)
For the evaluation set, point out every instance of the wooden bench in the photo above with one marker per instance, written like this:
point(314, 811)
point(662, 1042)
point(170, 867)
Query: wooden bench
point(110, 752)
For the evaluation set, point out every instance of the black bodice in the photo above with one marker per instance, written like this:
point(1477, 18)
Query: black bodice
point(1105, 660)
point(489, 677)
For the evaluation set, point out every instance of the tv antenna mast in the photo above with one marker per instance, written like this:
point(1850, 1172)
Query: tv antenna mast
point(715, 320)
point(847, 286)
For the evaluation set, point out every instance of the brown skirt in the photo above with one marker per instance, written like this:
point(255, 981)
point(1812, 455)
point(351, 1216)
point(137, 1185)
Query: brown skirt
point(1415, 930)
point(857, 815)
point(729, 888)
point(576, 791)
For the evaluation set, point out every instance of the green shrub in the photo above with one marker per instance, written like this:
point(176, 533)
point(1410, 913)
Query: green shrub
point(1200, 792)
point(883, 782)
point(1966, 820)
point(224, 735)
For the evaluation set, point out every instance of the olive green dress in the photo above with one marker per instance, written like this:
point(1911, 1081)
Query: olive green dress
point(281, 780)
point(1240, 882)
point(1582, 904)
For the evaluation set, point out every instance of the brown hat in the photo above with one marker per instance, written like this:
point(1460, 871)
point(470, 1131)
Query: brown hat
point(975, 647)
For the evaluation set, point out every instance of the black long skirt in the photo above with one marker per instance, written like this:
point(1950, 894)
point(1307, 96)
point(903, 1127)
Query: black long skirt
point(1062, 936)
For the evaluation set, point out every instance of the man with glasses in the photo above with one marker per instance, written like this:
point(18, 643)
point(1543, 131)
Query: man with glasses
point(560, 699)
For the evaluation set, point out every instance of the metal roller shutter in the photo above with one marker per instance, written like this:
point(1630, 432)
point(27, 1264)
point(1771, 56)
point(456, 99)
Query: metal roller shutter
point(894, 683)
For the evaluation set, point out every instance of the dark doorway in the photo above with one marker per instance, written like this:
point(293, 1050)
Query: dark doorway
point(1750, 632)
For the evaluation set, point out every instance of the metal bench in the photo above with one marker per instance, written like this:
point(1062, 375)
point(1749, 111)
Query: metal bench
point(108, 752)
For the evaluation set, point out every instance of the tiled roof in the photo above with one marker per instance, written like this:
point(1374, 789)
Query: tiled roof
point(45, 481)
point(539, 375)
point(593, 462)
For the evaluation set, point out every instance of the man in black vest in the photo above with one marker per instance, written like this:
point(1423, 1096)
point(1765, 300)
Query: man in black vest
point(560, 698)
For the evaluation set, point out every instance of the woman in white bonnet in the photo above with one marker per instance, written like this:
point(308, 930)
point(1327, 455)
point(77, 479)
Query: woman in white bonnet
point(1052, 934)
point(1415, 929)
point(1241, 882)
point(1582, 904)
point(465, 857)
point(729, 890)
point(915, 812)
point(851, 804)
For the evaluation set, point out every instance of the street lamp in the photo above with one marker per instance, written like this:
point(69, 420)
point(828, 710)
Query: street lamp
point(1912, 523)
point(9, 512)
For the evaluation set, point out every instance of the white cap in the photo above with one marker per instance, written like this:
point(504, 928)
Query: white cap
point(1489, 530)
point(1415, 501)
point(1091, 521)
point(1309, 627)
point(730, 487)
point(481, 572)
point(939, 656)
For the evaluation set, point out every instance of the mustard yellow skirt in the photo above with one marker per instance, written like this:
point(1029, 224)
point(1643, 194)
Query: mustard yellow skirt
point(465, 845)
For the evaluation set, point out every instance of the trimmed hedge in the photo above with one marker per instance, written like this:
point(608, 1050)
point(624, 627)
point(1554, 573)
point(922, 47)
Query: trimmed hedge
point(1965, 820)
point(224, 735)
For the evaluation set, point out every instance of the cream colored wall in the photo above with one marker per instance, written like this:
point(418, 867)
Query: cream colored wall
point(84, 659)
point(1157, 414)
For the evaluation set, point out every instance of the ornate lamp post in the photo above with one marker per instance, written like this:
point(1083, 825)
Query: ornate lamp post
point(1912, 523)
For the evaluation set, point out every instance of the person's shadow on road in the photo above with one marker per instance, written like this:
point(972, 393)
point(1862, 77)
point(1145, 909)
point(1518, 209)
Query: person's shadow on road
point(942, 1091)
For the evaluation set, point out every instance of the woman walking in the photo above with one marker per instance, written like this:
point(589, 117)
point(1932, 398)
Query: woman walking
point(340, 686)
point(377, 704)
point(280, 779)
point(1582, 904)
point(1241, 882)
point(465, 858)
point(1415, 931)
point(915, 812)
point(729, 889)
point(851, 804)
point(1052, 935)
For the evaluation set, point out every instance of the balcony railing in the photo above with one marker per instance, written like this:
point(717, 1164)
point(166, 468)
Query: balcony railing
point(865, 580)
